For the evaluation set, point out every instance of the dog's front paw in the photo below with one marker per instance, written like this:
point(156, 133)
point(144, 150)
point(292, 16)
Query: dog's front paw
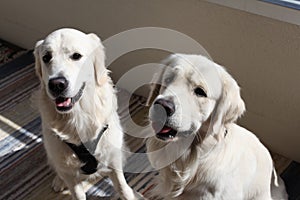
point(58, 185)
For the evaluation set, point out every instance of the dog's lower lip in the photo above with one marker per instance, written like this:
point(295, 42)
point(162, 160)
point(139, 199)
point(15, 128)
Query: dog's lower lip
point(63, 103)
point(166, 133)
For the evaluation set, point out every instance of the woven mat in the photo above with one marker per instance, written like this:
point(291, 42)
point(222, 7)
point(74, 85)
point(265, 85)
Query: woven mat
point(24, 172)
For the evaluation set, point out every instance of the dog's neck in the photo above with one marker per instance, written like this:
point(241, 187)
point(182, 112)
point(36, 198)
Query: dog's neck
point(86, 117)
point(205, 132)
point(183, 170)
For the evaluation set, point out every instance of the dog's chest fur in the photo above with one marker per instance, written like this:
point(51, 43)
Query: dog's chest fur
point(72, 133)
point(83, 122)
point(191, 173)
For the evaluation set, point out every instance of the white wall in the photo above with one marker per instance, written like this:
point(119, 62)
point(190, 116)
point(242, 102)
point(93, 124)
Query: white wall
point(262, 54)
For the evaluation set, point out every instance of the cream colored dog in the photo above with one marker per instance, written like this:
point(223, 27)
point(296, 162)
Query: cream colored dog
point(82, 134)
point(198, 149)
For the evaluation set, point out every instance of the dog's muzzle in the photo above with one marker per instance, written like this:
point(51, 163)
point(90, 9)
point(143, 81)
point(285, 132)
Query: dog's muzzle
point(162, 110)
point(65, 104)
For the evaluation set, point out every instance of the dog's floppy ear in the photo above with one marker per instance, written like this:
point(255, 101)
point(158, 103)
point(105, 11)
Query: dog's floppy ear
point(230, 105)
point(99, 60)
point(38, 69)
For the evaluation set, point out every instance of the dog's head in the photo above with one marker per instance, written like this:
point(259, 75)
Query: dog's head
point(67, 62)
point(192, 92)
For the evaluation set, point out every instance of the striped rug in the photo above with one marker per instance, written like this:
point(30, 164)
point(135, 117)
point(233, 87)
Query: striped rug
point(24, 172)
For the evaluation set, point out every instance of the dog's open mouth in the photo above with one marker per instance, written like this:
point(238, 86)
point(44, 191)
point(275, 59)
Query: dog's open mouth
point(64, 104)
point(165, 133)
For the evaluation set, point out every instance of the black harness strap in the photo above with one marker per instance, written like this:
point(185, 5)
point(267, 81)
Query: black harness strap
point(85, 153)
point(225, 132)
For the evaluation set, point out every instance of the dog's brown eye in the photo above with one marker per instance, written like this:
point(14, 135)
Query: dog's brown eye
point(76, 56)
point(200, 92)
point(47, 57)
point(168, 80)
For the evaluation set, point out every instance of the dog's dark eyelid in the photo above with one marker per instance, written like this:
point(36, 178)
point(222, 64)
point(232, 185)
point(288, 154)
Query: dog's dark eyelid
point(76, 56)
point(168, 80)
point(200, 92)
point(47, 57)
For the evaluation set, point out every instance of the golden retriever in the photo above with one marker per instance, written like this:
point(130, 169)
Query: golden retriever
point(82, 134)
point(198, 149)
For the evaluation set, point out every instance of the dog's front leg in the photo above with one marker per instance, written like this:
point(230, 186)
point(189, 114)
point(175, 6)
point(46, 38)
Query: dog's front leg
point(58, 185)
point(122, 187)
point(75, 186)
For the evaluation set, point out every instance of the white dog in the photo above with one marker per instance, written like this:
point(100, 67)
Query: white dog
point(198, 149)
point(82, 134)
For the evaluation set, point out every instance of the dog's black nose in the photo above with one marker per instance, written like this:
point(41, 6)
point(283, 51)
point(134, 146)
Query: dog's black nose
point(58, 85)
point(168, 105)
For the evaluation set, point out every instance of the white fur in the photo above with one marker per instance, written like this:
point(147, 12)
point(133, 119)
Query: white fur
point(211, 166)
point(97, 107)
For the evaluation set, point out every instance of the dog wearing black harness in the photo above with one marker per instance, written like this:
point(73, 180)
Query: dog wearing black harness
point(81, 129)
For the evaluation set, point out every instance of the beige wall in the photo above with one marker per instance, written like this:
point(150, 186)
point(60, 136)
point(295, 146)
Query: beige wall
point(261, 53)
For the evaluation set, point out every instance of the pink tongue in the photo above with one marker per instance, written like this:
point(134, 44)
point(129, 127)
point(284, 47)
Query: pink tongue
point(165, 129)
point(65, 103)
